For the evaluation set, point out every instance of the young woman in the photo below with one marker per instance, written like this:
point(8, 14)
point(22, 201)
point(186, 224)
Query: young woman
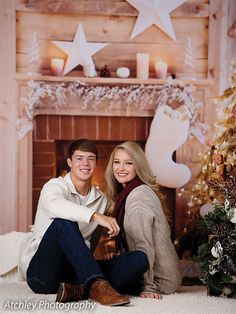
point(135, 203)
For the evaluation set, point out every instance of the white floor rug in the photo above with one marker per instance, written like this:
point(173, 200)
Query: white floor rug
point(18, 298)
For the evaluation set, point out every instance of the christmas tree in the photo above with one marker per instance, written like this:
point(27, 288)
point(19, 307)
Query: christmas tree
point(217, 170)
point(188, 59)
point(219, 162)
point(217, 257)
point(34, 55)
point(215, 193)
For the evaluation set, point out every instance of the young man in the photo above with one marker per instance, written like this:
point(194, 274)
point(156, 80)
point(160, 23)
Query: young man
point(57, 258)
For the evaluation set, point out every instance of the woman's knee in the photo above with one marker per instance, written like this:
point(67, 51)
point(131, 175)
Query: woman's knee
point(141, 258)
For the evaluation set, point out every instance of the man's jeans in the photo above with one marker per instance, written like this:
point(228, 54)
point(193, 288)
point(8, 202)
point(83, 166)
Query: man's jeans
point(63, 256)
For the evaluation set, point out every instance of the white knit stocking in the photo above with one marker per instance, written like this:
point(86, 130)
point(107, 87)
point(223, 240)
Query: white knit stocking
point(169, 130)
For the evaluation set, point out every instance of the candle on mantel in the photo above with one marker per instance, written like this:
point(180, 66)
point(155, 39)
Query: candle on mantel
point(142, 66)
point(89, 70)
point(57, 66)
point(161, 69)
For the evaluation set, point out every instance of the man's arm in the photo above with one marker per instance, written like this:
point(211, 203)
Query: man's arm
point(53, 201)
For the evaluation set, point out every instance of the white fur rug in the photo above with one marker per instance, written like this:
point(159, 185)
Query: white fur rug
point(17, 297)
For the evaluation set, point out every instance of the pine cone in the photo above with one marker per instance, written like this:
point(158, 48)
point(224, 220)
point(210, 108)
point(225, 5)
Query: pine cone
point(227, 267)
point(229, 248)
point(105, 72)
point(222, 229)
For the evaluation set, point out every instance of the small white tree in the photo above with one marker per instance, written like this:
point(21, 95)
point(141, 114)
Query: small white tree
point(188, 57)
point(189, 53)
point(34, 55)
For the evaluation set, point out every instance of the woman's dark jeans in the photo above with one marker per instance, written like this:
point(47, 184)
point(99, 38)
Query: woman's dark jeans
point(63, 256)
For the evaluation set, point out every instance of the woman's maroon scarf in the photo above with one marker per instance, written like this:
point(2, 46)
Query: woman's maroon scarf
point(119, 211)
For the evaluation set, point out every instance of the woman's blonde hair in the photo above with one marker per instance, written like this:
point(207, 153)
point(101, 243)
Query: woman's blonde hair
point(141, 166)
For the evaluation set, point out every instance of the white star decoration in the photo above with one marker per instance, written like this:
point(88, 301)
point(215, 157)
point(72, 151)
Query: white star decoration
point(79, 51)
point(154, 12)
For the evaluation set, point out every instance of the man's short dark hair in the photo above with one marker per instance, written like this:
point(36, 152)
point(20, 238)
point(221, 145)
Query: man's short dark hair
point(84, 145)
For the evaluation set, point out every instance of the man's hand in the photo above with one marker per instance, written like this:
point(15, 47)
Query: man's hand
point(109, 222)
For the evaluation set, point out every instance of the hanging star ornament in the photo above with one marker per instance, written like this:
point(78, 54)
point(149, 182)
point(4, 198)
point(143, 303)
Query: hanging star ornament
point(79, 51)
point(155, 12)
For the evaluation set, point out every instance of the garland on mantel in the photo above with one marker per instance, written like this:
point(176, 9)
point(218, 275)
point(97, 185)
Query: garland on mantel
point(174, 93)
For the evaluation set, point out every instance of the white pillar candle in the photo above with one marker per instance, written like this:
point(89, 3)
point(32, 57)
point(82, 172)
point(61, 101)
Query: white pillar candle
point(161, 70)
point(89, 70)
point(57, 66)
point(142, 66)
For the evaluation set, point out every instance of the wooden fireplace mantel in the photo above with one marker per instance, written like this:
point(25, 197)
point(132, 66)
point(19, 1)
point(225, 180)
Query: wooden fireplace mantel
point(108, 80)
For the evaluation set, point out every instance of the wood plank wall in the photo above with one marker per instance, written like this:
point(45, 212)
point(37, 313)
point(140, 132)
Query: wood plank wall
point(8, 140)
point(111, 22)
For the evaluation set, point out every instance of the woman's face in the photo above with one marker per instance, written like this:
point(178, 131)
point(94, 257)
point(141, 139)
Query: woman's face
point(123, 167)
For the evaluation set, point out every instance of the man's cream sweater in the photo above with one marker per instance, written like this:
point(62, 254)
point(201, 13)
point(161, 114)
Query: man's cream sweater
point(147, 229)
point(59, 199)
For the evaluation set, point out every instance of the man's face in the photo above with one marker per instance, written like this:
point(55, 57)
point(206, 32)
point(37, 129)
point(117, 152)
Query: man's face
point(82, 165)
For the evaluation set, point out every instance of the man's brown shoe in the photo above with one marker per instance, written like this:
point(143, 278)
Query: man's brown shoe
point(102, 292)
point(69, 293)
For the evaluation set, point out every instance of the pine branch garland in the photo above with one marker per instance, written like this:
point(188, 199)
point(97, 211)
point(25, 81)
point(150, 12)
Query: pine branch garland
point(174, 93)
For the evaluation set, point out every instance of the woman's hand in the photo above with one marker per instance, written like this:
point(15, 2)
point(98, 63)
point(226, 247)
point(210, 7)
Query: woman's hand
point(151, 295)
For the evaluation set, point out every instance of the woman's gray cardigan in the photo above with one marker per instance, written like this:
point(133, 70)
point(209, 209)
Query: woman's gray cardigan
point(147, 229)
